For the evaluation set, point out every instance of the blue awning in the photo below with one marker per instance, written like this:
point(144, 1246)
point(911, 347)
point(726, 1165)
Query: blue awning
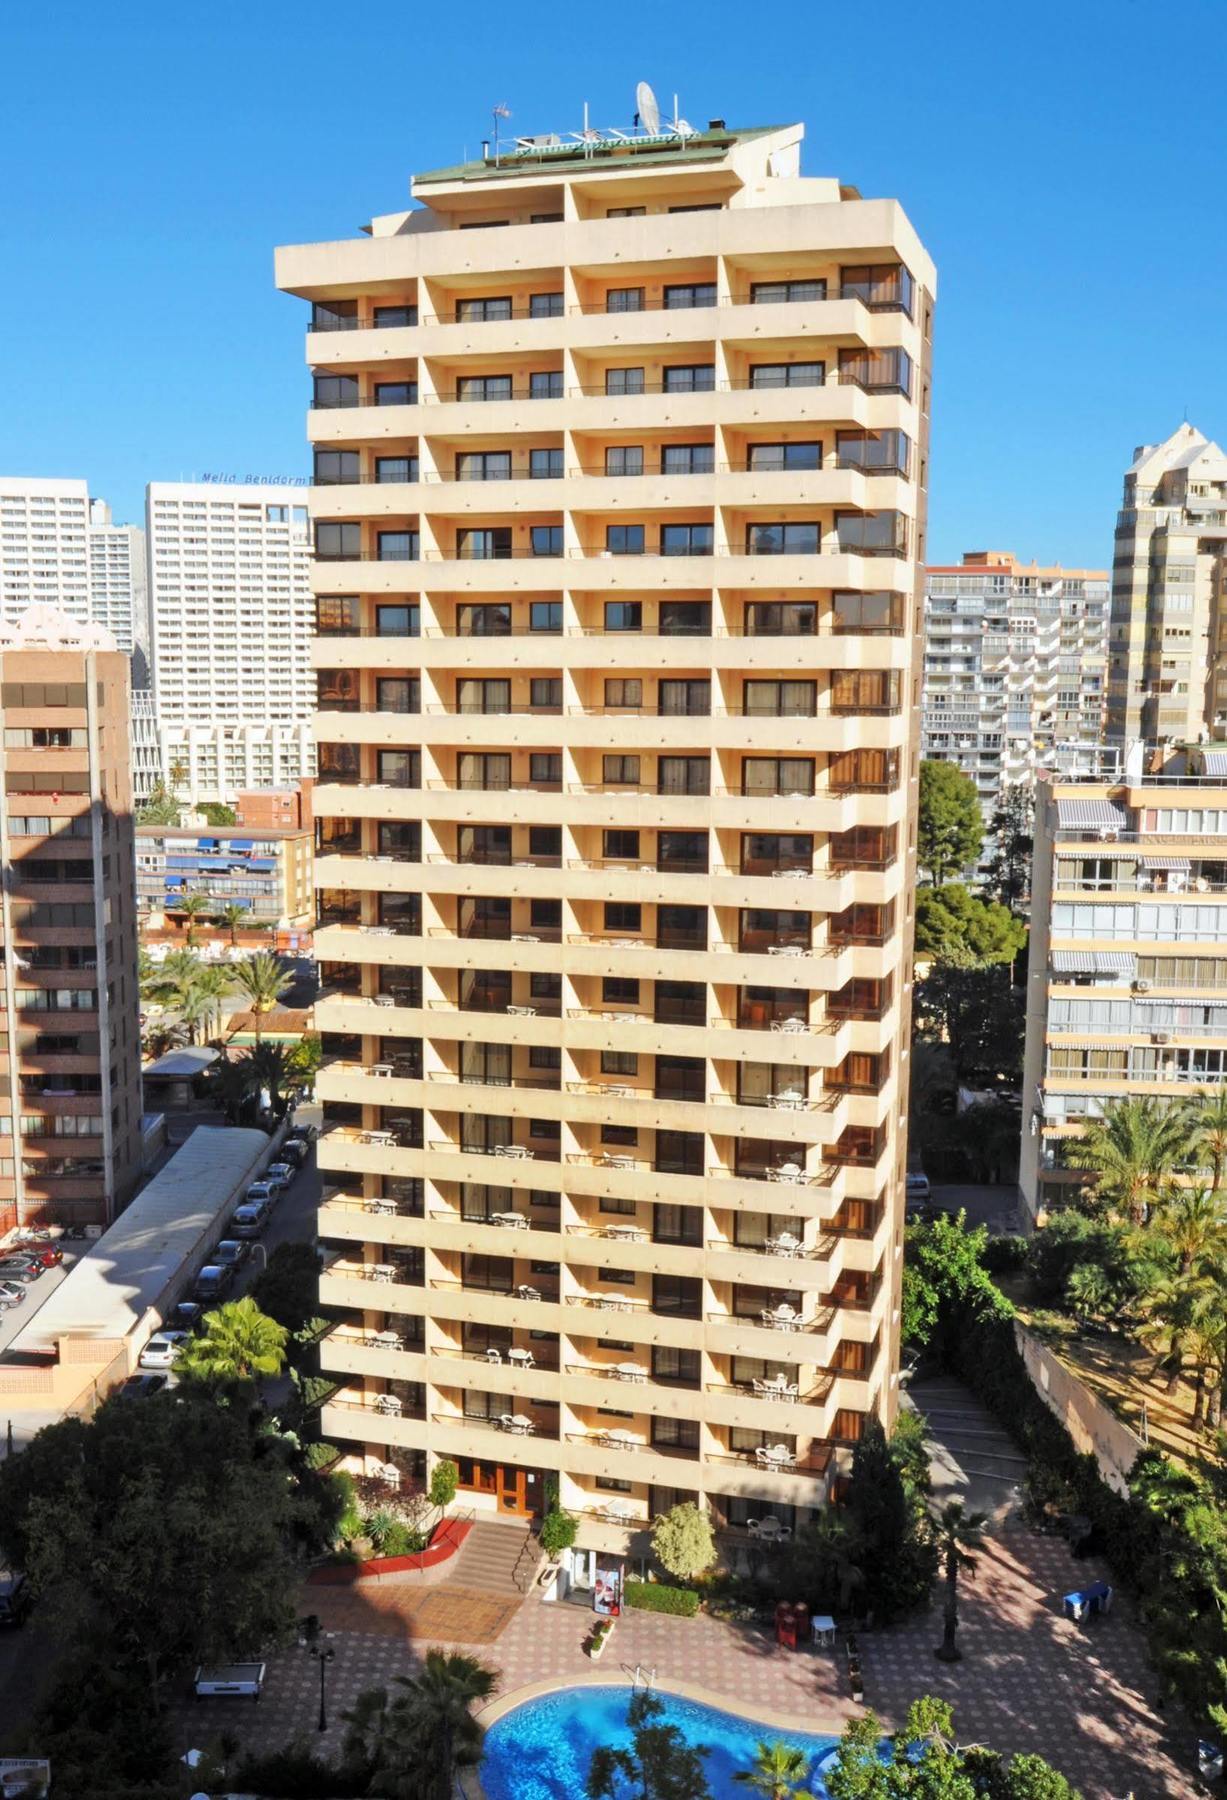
point(206, 843)
point(241, 843)
point(173, 884)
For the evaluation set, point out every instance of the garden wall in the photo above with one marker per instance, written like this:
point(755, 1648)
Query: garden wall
point(445, 1540)
point(1094, 1428)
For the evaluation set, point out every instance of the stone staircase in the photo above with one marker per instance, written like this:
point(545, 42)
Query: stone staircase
point(973, 1459)
point(497, 1557)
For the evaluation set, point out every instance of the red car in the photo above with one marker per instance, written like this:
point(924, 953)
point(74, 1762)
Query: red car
point(48, 1255)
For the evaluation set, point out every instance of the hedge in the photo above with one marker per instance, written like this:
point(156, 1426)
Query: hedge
point(658, 1596)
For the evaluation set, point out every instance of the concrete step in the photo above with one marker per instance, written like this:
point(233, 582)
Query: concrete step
point(490, 1556)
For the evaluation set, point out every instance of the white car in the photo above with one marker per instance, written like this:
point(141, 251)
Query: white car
point(916, 1187)
point(281, 1173)
point(163, 1349)
point(12, 1293)
point(260, 1193)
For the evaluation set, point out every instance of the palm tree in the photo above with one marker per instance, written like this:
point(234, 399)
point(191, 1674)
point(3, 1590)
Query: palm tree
point(1131, 1151)
point(230, 917)
point(416, 1740)
point(1171, 1315)
point(1193, 1223)
point(230, 1087)
point(194, 1010)
point(193, 907)
point(1206, 1116)
point(955, 1532)
point(1089, 1292)
point(166, 1034)
point(264, 980)
point(779, 1772)
point(268, 1066)
point(238, 1343)
point(211, 987)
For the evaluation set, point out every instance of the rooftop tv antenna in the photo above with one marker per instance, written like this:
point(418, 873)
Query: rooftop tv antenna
point(500, 110)
point(648, 109)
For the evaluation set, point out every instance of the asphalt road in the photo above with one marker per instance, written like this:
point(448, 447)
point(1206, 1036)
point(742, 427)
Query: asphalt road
point(14, 1317)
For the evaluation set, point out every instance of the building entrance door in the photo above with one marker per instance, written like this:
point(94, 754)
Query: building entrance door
point(517, 1491)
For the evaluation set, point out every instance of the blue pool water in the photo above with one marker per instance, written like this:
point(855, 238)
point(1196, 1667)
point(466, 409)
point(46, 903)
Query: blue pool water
point(541, 1750)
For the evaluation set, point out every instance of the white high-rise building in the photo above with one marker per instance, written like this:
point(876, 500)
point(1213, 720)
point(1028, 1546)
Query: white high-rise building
point(60, 548)
point(230, 604)
point(119, 598)
point(44, 547)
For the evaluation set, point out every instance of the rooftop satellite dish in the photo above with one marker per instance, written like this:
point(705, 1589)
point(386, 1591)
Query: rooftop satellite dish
point(649, 111)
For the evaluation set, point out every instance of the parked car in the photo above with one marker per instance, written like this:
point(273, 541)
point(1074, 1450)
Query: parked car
point(15, 1599)
point(185, 1316)
point(295, 1151)
point(20, 1268)
point(213, 1283)
point(305, 1134)
point(280, 1172)
point(248, 1222)
point(232, 1251)
point(46, 1254)
point(916, 1189)
point(12, 1293)
point(139, 1387)
point(259, 1191)
point(162, 1349)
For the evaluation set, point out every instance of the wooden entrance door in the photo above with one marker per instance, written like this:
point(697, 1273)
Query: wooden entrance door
point(517, 1491)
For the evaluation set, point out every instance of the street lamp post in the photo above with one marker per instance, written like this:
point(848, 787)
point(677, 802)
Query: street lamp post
point(324, 1657)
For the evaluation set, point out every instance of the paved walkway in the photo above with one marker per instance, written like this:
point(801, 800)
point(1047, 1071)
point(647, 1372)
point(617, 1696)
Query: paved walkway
point(1030, 1680)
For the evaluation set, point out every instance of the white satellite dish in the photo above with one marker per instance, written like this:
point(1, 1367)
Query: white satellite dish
point(647, 108)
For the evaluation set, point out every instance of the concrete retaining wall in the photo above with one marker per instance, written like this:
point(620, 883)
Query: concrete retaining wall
point(1093, 1426)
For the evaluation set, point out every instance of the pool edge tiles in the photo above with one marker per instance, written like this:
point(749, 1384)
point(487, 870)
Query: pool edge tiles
point(540, 1746)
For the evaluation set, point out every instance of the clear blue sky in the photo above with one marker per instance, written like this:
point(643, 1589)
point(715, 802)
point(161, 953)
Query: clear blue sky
point(1065, 163)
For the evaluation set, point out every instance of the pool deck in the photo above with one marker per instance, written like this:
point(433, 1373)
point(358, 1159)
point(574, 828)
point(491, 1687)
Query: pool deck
point(1031, 1680)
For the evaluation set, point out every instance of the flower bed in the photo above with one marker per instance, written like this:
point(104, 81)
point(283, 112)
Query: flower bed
point(445, 1540)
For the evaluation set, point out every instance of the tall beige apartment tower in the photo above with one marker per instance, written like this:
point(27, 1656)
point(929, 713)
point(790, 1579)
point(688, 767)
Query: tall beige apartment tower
point(70, 1073)
point(1167, 670)
point(620, 464)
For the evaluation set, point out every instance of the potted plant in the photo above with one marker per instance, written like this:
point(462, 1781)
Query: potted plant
point(601, 1633)
point(558, 1532)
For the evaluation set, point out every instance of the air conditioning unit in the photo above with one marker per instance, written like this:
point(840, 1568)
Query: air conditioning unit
point(1141, 986)
point(1160, 1037)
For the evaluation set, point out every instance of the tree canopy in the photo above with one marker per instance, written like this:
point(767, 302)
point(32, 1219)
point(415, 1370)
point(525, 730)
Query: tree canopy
point(683, 1542)
point(950, 829)
point(951, 921)
point(977, 1011)
point(1007, 876)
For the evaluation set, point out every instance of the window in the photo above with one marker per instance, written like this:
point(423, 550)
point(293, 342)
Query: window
point(621, 846)
point(483, 543)
point(687, 459)
point(623, 915)
point(396, 468)
point(545, 540)
point(624, 615)
point(686, 540)
point(396, 393)
point(620, 771)
point(545, 384)
point(624, 300)
point(780, 375)
point(765, 852)
point(877, 371)
point(544, 464)
point(683, 775)
point(490, 618)
point(398, 546)
point(545, 769)
point(624, 381)
point(625, 212)
point(803, 455)
point(681, 1295)
point(780, 699)
point(771, 293)
point(335, 390)
point(545, 692)
point(690, 378)
point(483, 465)
point(763, 775)
point(676, 1434)
point(682, 850)
point(624, 459)
point(335, 468)
point(619, 990)
point(483, 387)
point(685, 618)
point(677, 1224)
point(545, 615)
point(625, 691)
point(474, 695)
point(684, 698)
point(391, 318)
point(868, 612)
point(624, 540)
point(470, 312)
point(877, 452)
point(801, 538)
point(781, 618)
point(884, 287)
point(691, 293)
point(546, 306)
point(334, 315)
point(400, 768)
point(681, 928)
point(398, 621)
point(872, 533)
point(338, 543)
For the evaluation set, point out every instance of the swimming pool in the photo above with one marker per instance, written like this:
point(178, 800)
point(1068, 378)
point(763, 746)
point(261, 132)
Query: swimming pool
point(541, 1750)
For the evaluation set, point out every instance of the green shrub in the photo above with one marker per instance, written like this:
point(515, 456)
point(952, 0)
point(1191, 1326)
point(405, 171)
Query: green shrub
point(558, 1532)
point(321, 1456)
point(296, 1771)
point(1005, 1255)
point(400, 1539)
point(658, 1596)
point(444, 1480)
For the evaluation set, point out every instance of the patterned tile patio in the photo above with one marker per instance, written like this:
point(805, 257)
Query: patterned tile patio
point(1030, 1679)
